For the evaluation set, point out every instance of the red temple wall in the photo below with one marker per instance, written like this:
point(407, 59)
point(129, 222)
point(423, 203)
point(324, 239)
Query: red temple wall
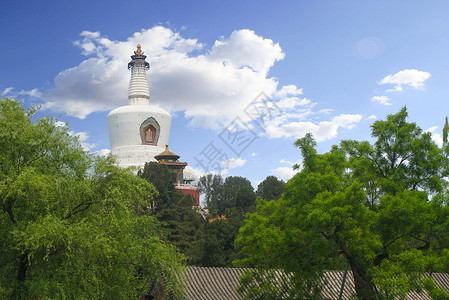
point(194, 193)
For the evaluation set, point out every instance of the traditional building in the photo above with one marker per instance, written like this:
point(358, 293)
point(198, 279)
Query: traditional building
point(138, 131)
point(176, 168)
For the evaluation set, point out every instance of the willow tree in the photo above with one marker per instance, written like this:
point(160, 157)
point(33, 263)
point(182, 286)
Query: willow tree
point(382, 208)
point(72, 225)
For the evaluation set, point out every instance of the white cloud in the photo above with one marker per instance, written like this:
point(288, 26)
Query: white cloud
point(102, 152)
point(193, 173)
point(253, 154)
point(326, 111)
point(288, 90)
point(227, 75)
point(284, 173)
point(60, 124)
point(322, 131)
point(244, 49)
point(32, 93)
point(6, 91)
point(372, 117)
point(438, 139)
point(210, 85)
point(234, 163)
point(381, 100)
point(283, 161)
point(292, 102)
point(409, 77)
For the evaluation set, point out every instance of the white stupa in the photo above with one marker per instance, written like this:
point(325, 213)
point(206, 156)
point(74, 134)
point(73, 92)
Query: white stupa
point(138, 131)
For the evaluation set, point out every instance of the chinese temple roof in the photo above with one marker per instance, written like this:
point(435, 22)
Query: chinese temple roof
point(167, 155)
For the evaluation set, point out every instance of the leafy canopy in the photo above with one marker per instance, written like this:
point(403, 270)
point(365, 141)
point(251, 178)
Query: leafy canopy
point(381, 207)
point(72, 224)
point(271, 188)
point(180, 224)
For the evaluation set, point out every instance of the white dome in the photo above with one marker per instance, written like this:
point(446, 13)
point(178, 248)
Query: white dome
point(138, 131)
point(139, 108)
point(124, 126)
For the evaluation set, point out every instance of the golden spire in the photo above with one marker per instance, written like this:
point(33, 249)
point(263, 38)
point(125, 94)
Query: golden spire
point(138, 51)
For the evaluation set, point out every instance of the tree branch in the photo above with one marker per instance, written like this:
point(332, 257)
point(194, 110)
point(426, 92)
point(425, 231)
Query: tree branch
point(394, 240)
point(78, 209)
point(426, 243)
point(7, 207)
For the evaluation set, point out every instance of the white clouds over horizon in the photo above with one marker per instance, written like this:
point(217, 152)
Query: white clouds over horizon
point(6, 91)
point(230, 74)
point(210, 85)
point(384, 100)
point(322, 131)
point(234, 163)
point(284, 173)
point(411, 78)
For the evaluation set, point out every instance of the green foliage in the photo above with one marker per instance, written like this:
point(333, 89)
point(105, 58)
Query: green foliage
point(72, 225)
point(230, 198)
point(161, 179)
point(222, 195)
point(382, 207)
point(445, 131)
point(218, 245)
point(180, 224)
point(273, 284)
point(434, 291)
point(211, 186)
point(270, 189)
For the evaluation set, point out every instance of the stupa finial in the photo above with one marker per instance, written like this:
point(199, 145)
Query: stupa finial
point(138, 51)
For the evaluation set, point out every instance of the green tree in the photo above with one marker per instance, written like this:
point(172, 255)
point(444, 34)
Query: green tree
point(230, 198)
point(161, 179)
point(237, 193)
point(445, 131)
point(72, 224)
point(218, 245)
point(381, 207)
point(183, 226)
point(211, 186)
point(225, 195)
point(180, 224)
point(271, 188)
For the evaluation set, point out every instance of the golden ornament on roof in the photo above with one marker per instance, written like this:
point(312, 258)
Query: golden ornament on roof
point(138, 51)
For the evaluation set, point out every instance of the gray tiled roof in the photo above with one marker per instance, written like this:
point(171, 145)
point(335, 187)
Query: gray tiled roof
point(212, 283)
point(221, 283)
point(334, 279)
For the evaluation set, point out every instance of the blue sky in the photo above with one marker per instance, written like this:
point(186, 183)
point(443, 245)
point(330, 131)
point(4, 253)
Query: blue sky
point(327, 67)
